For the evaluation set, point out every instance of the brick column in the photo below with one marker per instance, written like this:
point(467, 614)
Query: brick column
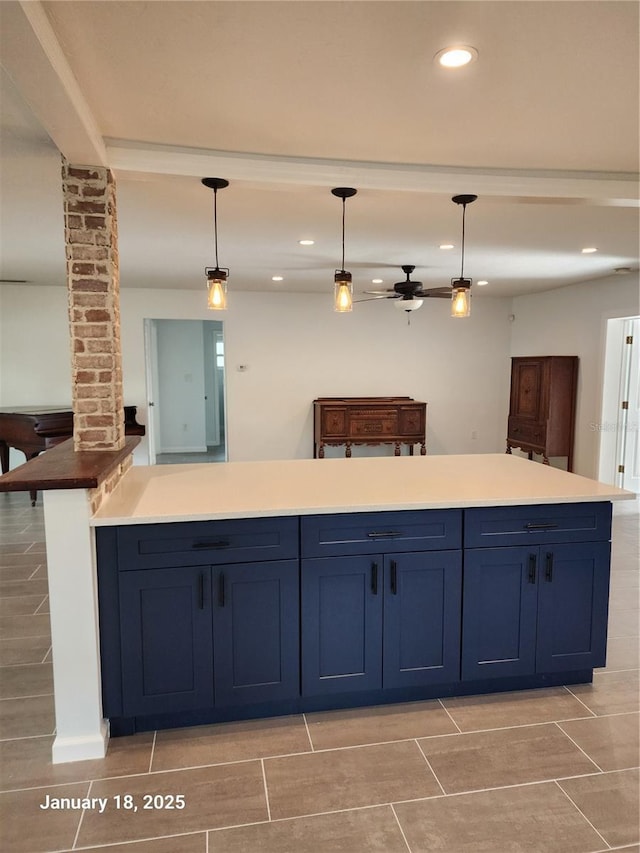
point(93, 282)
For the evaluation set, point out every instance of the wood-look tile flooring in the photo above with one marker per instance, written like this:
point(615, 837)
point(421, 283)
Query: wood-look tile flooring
point(541, 771)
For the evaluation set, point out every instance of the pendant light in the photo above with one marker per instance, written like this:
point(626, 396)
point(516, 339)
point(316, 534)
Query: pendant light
point(216, 277)
point(343, 285)
point(461, 287)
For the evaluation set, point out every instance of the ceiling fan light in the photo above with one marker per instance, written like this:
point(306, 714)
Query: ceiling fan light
point(460, 297)
point(342, 292)
point(408, 304)
point(217, 289)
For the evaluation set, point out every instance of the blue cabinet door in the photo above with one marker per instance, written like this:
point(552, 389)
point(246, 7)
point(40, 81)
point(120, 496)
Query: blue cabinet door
point(572, 606)
point(165, 621)
point(341, 620)
point(256, 632)
point(422, 618)
point(499, 612)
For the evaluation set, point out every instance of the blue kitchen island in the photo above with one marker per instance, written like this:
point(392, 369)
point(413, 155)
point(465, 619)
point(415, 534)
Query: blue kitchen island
point(253, 589)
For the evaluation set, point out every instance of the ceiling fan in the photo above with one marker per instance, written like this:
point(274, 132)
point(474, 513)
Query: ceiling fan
point(408, 294)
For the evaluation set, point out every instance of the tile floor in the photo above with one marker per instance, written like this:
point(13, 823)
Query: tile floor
point(214, 453)
point(544, 771)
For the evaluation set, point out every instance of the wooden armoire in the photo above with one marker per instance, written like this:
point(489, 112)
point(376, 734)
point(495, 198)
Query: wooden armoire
point(543, 406)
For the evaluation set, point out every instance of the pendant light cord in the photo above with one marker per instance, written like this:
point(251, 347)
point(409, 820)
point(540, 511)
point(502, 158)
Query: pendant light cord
point(215, 223)
point(464, 212)
point(343, 214)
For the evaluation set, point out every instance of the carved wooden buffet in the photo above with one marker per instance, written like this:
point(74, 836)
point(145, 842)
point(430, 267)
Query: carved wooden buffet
point(368, 420)
point(543, 406)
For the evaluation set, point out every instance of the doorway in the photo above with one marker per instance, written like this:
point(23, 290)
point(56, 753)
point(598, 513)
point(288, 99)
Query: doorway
point(185, 391)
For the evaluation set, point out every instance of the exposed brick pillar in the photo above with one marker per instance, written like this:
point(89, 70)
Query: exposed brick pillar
point(93, 282)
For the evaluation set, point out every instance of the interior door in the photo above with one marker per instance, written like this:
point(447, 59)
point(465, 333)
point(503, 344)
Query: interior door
point(628, 435)
point(151, 369)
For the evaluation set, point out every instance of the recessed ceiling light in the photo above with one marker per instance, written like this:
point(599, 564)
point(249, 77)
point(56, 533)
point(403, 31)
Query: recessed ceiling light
point(306, 242)
point(456, 56)
point(447, 246)
point(481, 283)
point(376, 281)
point(277, 278)
point(589, 250)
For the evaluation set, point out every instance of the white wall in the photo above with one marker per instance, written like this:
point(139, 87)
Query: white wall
point(573, 321)
point(181, 389)
point(296, 349)
point(35, 355)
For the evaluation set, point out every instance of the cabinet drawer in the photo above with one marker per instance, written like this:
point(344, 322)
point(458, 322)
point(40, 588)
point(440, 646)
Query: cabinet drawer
point(522, 525)
point(527, 432)
point(363, 424)
point(242, 540)
point(380, 532)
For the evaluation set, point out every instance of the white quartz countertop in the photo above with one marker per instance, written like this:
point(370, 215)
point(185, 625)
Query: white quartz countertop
point(165, 493)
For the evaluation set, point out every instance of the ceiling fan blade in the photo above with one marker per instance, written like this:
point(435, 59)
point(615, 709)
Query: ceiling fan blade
point(438, 292)
point(381, 292)
point(374, 298)
point(371, 265)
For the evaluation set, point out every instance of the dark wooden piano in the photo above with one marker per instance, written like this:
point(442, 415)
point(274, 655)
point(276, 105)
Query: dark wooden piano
point(33, 429)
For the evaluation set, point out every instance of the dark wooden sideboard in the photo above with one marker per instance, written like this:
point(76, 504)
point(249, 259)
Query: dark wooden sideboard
point(368, 420)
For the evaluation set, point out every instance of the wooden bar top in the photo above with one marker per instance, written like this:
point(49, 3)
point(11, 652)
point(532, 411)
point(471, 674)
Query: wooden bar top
point(62, 467)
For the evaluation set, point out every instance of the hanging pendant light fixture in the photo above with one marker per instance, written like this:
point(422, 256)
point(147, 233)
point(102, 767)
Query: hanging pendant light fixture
point(461, 287)
point(342, 283)
point(216, 277)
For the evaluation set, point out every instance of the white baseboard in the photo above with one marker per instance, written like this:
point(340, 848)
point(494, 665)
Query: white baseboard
point(81, 748)
point(191, 449)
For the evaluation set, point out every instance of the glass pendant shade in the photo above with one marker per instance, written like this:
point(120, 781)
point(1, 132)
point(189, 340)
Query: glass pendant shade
point(461, 297)
point(343, 292)
point(217, 287)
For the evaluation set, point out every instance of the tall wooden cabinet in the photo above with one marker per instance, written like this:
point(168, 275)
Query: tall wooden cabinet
point(543, 406)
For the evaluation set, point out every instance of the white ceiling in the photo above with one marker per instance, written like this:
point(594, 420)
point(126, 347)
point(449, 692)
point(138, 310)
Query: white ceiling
point(289, 99)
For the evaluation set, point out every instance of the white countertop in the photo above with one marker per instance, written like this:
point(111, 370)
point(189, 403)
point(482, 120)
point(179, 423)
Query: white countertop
point(165, 493)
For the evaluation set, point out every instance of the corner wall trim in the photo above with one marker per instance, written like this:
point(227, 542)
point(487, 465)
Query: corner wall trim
point(81, 748)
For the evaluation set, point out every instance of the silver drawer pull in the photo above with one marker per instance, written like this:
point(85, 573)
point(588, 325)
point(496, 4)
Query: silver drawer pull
point(543, 526)
point(384, 534)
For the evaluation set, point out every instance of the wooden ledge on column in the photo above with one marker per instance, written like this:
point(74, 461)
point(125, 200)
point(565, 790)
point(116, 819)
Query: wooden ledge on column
point(62, 467)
